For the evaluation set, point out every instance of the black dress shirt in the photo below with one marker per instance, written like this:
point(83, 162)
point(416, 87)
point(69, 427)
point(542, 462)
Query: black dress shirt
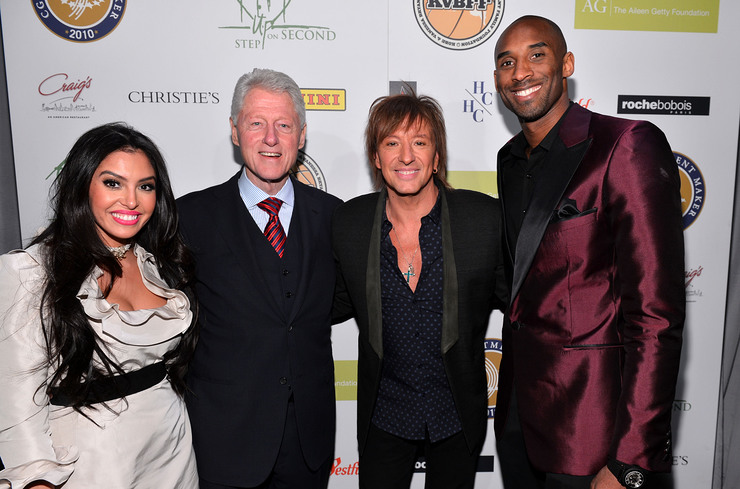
point(520, 176)
point(414, 397)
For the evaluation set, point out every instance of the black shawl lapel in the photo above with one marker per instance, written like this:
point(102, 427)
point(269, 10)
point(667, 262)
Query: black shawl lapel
point(450, 329)
point(560, 165)
point(450, 332)
point(374, 304)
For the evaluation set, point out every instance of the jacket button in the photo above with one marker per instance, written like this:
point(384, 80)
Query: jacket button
point(283, 381)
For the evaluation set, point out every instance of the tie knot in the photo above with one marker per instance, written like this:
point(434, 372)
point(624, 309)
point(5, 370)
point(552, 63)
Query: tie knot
point(271, 205)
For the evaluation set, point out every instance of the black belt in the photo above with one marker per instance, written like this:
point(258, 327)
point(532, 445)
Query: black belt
point(115, 387)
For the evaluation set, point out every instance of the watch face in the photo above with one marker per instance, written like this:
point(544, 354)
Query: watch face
point(633, 479)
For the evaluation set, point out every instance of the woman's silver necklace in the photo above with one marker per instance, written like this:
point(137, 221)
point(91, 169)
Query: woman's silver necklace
point(410, 270)
point(119, 251)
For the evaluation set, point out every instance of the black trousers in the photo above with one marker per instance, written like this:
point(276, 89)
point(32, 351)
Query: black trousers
point(387, 462)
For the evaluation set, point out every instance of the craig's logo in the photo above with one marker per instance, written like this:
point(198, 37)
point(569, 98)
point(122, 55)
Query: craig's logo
point(265, 20)
point(458, 24)
point(80, 20)
point(493, 363)
point(692, 189)
point(692, 291)
point(348, 469)
point(307, 171)
point(662, 105)
point(65, 97)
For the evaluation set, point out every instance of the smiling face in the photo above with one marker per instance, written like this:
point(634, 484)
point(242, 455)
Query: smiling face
point(122, 196)
point(531, 70)
point(269, 134)
point(407, 159)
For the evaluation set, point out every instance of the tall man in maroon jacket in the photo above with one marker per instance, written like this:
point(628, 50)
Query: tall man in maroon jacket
point(592, 335)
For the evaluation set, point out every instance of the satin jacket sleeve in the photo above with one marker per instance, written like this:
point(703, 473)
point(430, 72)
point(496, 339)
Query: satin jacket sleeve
point(25, 443)
point(642, 188)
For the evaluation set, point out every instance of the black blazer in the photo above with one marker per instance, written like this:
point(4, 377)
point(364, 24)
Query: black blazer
point(473, 285)
point(251, 355)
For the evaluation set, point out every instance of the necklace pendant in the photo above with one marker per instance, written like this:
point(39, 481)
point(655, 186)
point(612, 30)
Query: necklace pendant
point(119, 251)
point(409, 273)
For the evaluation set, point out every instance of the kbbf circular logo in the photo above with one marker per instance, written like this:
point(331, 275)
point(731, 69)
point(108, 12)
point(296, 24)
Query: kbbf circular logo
point(692, 189)
point(307, 171)
point(80, 20)
point(459, 24)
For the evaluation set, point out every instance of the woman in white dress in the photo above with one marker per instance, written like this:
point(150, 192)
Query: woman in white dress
point(96, 329)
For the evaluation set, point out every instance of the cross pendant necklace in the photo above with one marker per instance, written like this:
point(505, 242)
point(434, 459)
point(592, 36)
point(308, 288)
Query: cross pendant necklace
point(410, 270)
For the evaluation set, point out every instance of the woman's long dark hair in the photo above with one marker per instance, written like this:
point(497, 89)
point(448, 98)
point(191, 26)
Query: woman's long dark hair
point(73, 248)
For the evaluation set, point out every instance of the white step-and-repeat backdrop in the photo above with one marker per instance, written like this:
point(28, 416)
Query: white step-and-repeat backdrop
point(168, 68)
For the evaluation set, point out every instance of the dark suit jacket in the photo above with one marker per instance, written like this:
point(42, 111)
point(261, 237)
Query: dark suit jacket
point(251, 356)
point(474, 283)
point(592, 337)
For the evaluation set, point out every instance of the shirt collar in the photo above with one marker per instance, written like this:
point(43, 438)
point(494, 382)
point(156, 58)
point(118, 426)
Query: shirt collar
point(253, 195)
point(435, 215)
point(519, 146)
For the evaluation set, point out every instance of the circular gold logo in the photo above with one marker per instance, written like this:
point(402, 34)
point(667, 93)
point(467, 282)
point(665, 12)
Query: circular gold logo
point(80, 20)
point(459, 24)
point(307, 171)
point(692, 189)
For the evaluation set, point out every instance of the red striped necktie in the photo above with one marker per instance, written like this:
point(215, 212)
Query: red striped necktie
point(274, 230)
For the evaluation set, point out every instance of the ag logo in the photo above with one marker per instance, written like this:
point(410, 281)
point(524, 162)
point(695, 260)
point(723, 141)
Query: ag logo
point(692, 189)
point(80, 20)
point(307, 171)
point(595, 6)
point(493, 363)
point(458, 24)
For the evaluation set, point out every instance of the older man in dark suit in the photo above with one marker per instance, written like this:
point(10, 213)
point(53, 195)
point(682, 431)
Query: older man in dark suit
point(421, 270)
point(592, 335)
point(262, 379)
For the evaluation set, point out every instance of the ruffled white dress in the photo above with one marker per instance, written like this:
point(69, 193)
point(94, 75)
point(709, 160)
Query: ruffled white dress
point(143, 441)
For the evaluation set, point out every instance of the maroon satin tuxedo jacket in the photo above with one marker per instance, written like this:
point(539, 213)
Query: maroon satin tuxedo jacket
point(592, 335)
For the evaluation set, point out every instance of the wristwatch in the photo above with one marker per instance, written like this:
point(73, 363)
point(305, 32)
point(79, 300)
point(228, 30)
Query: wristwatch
point(630, 476)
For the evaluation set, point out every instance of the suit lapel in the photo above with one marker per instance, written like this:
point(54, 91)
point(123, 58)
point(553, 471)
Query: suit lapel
point(450, 330)
point(306, 212)
point(372, 287)
point(559, 166)
point(235, 223)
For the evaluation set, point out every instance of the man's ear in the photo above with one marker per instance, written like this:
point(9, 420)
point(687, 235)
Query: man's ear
point(569, 64)
point(234, 132)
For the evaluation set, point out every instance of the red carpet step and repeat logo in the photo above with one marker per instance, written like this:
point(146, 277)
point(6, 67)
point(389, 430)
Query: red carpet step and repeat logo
point(493, 363)
point(307, 171)
point(459, 24)
point(80, 20)
point(692, 188)
point(260, 22)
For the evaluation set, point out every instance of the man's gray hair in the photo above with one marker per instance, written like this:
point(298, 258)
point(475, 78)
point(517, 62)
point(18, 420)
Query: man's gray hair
point(270, 80)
